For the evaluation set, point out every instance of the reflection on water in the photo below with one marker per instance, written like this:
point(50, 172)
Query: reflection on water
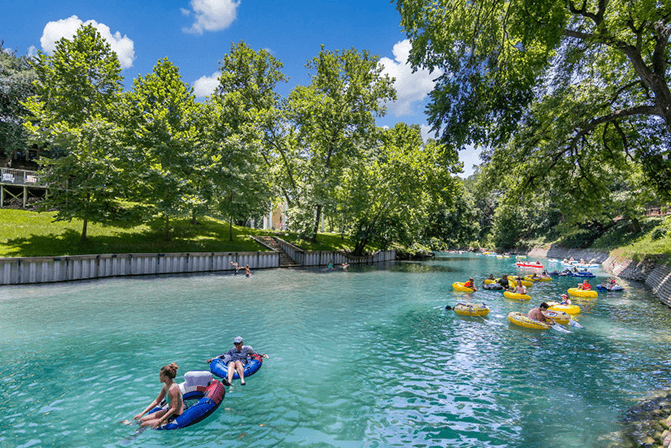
point(365, 357)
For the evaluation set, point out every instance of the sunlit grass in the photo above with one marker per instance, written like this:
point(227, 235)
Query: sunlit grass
point(32, 234)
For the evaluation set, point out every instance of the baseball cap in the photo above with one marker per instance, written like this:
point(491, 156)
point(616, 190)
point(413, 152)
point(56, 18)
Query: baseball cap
point(237, 340)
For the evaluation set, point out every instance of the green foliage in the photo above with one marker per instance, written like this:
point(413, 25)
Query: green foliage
point(16, 85)
point(334, 116)
point(72, 112)
point(246, 134)
point(394, 188)
point(572, 96)
point(162, 125)
point(457, 226)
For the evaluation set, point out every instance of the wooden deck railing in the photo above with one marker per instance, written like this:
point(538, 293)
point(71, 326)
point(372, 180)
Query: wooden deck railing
point(11, 176)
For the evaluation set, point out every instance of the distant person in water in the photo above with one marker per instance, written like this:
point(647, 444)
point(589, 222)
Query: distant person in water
point(520, 288)
point(470, 284)
point(235, 265)
point(565, 300)
point(171, 392)
point(345, 266)
point(585, 286)
point(330, 264)
point(504, 282)
point(248, 272)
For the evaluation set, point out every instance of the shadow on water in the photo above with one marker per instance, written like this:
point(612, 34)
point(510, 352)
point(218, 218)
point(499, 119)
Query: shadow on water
point(420, 268)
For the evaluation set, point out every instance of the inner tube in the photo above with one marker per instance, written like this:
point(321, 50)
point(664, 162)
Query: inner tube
point(512, 280)
point(516, 296)
point(489, 281)
point(612, 288)
point(523, 320)
point(582, 274)
point(575, 292)
point(537, 279)
point(459, 286)
point(219, 368)
point(492, 286)
point(471, 309)
point(522, 264)
point(560, 317)
point(569, 309)
point(208, 400)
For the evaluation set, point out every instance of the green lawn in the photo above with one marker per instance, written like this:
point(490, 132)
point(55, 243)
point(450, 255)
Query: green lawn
point(32, 234)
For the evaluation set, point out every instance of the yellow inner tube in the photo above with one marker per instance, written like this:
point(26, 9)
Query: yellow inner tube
point(575, 292)
point(537, 279)
point(459, 286)
point(569, 309)
point(471, 309)
point(560, 317)
point(523, 321)
point(489, 281)
point(516, 296)
point(513, 282)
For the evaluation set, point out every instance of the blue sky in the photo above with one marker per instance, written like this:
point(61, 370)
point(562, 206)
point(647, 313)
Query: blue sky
point(196, 34)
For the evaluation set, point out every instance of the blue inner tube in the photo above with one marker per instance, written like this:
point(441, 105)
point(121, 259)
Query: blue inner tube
point(219, 368)
point(581, 274)
point(613, 288)
point(208, 402)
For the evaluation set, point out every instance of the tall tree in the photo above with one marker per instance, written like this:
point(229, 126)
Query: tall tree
point(582, 86)
point(73, 112)
point(237, 174)
point(163, 123)
point(334, 114)
point(16, 85)
point(255, 113)
point(393, 188)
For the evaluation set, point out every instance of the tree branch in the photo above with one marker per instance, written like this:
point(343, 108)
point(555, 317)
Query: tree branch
point(618, 114)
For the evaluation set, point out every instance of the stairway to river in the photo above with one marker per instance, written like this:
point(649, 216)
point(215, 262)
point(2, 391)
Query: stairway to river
point(285, 260)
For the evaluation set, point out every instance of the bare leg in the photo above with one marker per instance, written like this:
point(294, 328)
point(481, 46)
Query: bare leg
point(231, 371)
point(241, 371)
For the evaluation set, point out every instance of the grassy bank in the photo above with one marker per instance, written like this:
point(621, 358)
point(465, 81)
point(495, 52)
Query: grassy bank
point(31, 234)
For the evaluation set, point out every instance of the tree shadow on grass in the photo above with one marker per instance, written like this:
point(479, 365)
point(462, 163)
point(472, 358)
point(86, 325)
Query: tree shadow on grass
point(208, 238)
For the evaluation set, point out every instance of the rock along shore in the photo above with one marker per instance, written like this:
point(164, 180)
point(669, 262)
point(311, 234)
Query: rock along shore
point(649, 421)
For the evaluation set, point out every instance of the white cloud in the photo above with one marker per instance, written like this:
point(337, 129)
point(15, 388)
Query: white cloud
point(205, 85)
point(410, 87)
point(32, 51)
point(211, 15)
point(67, 28)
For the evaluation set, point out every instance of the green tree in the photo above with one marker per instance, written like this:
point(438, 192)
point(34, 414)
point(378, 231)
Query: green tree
point(581, 87)
point(255, 113)
point(396, 184)
point(335, 114)
point(237, 174)
point(16, 85)
point(163, 124)
point(72, 112)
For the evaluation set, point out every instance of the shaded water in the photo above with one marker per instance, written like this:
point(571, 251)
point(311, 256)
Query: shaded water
point(368, 357)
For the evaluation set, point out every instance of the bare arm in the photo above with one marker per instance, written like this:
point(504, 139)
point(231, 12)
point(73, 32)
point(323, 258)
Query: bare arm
point(153, 404)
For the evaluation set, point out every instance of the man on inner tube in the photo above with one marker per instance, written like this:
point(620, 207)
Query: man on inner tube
point(537, 314)
point(235, 360)
point(503, 281)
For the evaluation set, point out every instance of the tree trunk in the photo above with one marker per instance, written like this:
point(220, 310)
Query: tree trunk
point(167, 228)
point(230, 229)
point(193, 217)
point(635, 225)
point(315, 229)
point(84, 229)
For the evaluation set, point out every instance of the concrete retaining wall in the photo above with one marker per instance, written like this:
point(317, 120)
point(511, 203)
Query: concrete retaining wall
point(15, 271)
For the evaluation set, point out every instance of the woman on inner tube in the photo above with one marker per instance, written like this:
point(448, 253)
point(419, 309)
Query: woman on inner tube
point(170, 390)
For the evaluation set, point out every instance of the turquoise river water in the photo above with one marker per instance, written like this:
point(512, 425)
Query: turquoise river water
point(364, 358)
